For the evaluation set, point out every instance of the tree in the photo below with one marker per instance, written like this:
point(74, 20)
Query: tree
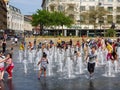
point(94, 16)
point(64, 20)
point(47, 19)
point(42, 18)
point(110, 33)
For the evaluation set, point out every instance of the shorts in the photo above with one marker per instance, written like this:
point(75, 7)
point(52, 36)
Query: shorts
point(91, 67)
point(43, 68)
point(15, 41)
point(2, 69)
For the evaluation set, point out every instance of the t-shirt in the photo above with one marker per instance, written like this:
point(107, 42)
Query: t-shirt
point(21, 47)
point(110, 48)
point(59, 41)
point(10, 62)
point(92, 57)
point(16, 39)
point(118, 44)
point(44, 63)
point(2, 63)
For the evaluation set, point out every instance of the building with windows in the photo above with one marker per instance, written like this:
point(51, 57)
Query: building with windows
point(74, 8)
point(3, 16)
point(15, 20)
point(27, 24)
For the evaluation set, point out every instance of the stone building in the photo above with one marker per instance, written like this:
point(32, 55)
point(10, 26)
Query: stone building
point(3, 16)
point(74, 8)
point(15, 20)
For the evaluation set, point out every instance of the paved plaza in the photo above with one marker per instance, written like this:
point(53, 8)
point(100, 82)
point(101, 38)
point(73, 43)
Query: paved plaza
point(29, 81)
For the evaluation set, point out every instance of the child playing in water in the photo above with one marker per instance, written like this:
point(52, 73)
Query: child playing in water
point(91, 61)
point(1, 66)
point(44, 62)
point(10, 65)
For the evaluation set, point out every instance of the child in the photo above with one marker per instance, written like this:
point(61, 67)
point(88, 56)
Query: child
point(91, 61)
point(44, 62)
point(22, 46)
point(1, 66)
point(10, 65)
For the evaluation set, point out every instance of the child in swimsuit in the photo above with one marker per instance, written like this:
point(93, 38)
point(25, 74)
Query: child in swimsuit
point(44, 62)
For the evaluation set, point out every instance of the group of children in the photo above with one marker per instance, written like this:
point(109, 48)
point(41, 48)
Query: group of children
point(91, 55)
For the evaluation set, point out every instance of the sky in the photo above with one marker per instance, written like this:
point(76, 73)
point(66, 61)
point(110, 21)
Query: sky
point(27, 7)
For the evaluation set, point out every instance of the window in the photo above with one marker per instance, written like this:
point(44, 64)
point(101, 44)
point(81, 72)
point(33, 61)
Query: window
point(101, 20)
point(118, 9)
point(60, 8)
point(52, 8)
point(82, 19)
point(82, 8)
point(109, 18)
point(110, 9)
point(118, 19)
point(91, 7)
point(71, 8)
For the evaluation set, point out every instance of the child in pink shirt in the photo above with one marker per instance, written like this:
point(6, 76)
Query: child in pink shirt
point(10, 65)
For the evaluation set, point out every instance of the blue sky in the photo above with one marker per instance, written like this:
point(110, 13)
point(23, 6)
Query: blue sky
point(27, 6)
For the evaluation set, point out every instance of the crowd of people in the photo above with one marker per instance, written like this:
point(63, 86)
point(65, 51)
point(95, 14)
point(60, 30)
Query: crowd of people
point(90, 48)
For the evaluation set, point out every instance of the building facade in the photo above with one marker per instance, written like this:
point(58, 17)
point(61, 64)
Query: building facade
point(74, 8)
point(27, 24)
point(15, 20)
point(3, 16)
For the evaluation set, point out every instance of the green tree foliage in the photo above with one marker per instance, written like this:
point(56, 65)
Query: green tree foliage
point(46, 18)
point(110, 33)
point(41, 17)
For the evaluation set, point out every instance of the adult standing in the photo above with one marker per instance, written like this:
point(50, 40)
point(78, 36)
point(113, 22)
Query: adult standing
point(71, 42)
point(34, 44)
point(4, 46)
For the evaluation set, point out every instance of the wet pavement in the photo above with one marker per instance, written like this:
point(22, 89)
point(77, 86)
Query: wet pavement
point(22, 81)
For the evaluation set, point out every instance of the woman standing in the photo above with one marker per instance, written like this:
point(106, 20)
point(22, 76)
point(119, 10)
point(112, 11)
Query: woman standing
point(4, 46)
